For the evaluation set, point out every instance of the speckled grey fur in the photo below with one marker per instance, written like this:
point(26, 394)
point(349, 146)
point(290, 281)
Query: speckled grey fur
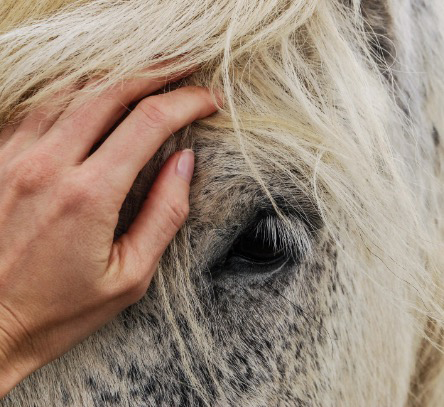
point(305, 323)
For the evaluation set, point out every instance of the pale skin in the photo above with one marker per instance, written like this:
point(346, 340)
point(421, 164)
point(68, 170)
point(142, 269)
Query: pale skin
point(62, 276)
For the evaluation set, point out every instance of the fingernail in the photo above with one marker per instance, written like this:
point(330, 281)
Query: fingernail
point(185, 165)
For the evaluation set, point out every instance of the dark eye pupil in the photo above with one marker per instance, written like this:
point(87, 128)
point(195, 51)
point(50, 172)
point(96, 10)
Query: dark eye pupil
point(256, 248)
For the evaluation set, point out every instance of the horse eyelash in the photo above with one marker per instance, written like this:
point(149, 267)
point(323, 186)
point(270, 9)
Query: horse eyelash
point(290, 236)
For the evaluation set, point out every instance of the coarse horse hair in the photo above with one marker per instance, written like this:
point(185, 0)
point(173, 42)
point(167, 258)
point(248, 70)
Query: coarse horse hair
point(315, 93)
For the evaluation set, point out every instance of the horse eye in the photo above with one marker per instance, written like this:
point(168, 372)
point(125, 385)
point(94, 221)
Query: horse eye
point(257, 248)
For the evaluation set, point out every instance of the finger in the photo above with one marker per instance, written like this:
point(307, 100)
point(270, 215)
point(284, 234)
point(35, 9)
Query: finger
point(82, 124)
point(134, 142)
point(6, 133)
point(161, 216)
point(40, 120)
point(6, 150)
point(36, 123)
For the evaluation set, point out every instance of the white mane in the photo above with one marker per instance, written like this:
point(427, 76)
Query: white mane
point(304, 91)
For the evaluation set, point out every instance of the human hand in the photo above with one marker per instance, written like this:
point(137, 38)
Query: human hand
point(61, 275)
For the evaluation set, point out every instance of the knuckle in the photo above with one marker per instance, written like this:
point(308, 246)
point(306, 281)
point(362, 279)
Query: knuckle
point(79, 190)
point(199, 91)
point(30, 173)
point(128, 278)
point(153, 112)
point(177, 213)
point(136, 288)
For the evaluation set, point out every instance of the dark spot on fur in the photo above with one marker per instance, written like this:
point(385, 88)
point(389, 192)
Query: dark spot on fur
point(110, 398)
point(66, 397)
point(91, 383)
point(134, 373)
point(149, 388)
point(435, 136)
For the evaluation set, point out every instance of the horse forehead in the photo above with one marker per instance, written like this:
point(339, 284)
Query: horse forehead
point(224, 189)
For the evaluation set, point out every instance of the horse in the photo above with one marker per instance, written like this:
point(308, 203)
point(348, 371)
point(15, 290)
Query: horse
point(309, 271)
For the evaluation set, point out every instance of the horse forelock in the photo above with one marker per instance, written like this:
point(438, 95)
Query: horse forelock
point(324, 122)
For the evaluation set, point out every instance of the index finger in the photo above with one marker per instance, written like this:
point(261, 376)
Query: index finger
point(80, 126)
point(126, 151)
